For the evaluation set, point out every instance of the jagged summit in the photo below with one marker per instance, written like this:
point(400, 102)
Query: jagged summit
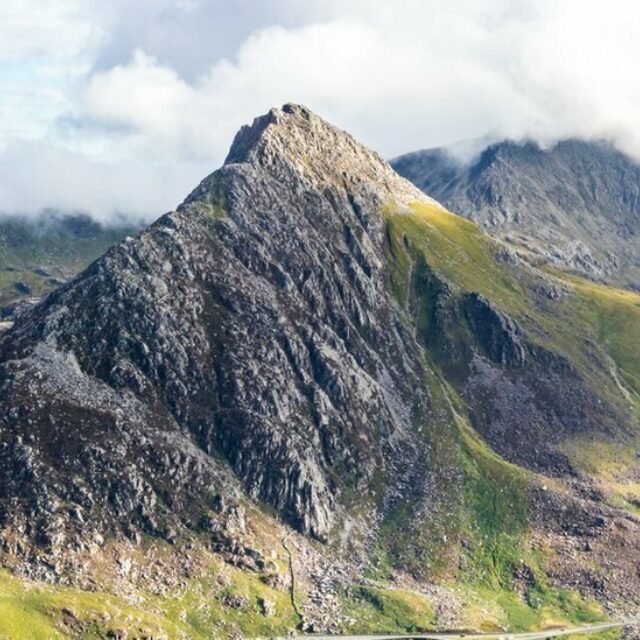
point(297, 145)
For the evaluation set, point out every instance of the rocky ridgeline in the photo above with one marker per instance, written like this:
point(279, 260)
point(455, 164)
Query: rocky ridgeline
point(575, 204)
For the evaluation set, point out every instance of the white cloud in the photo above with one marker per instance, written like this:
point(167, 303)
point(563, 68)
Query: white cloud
point(400, 76)
point(45, 28)
point(36, 176)
point(144, 97)
point(411, 74)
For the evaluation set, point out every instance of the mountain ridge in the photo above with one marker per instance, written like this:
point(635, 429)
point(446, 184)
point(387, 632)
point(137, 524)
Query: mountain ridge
point(573, 204)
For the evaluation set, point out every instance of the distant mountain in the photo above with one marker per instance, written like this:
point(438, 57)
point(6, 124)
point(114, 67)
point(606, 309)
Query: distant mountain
point(576, 203)
point(39, 253)
point(312, 398)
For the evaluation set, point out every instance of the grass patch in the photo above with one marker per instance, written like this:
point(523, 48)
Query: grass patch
point(489, 610)
point(224, 601)
point(612, 464)
point(230, 600)
point(380, 610)
point(615, 314)
point(33, 611)
point(496, 504)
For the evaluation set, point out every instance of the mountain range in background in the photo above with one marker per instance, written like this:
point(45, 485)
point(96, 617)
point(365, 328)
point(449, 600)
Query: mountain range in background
point(575, 204)
point(312, 398)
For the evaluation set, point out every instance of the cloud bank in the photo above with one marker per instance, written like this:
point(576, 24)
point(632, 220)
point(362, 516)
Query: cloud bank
point(151, 92)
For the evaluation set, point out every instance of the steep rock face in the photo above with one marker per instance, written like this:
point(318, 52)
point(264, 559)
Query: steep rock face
point(498, 334)
point(253, 322)
point(575, 204)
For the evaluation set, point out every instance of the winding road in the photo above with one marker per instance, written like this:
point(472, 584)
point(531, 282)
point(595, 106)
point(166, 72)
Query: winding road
point(459, 635)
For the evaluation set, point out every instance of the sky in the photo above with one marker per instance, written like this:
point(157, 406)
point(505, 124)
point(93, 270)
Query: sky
point(122, 107)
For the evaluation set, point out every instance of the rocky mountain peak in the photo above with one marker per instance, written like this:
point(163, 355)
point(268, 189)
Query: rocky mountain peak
point(299, 147)
point(255, 324)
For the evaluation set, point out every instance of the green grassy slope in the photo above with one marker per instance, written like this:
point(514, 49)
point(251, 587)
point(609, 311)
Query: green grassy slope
point(219, 602)
point(594, 327)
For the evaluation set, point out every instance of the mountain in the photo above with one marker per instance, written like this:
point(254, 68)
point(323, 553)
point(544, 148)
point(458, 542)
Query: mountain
point(38, 254)
point(313, 398)
point(575, 204)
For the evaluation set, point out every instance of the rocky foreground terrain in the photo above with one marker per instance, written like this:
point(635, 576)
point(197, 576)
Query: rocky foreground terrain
point(312, 398)
point(575, 204)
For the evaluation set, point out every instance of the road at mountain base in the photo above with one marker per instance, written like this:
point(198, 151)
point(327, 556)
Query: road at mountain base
point(529, 635)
